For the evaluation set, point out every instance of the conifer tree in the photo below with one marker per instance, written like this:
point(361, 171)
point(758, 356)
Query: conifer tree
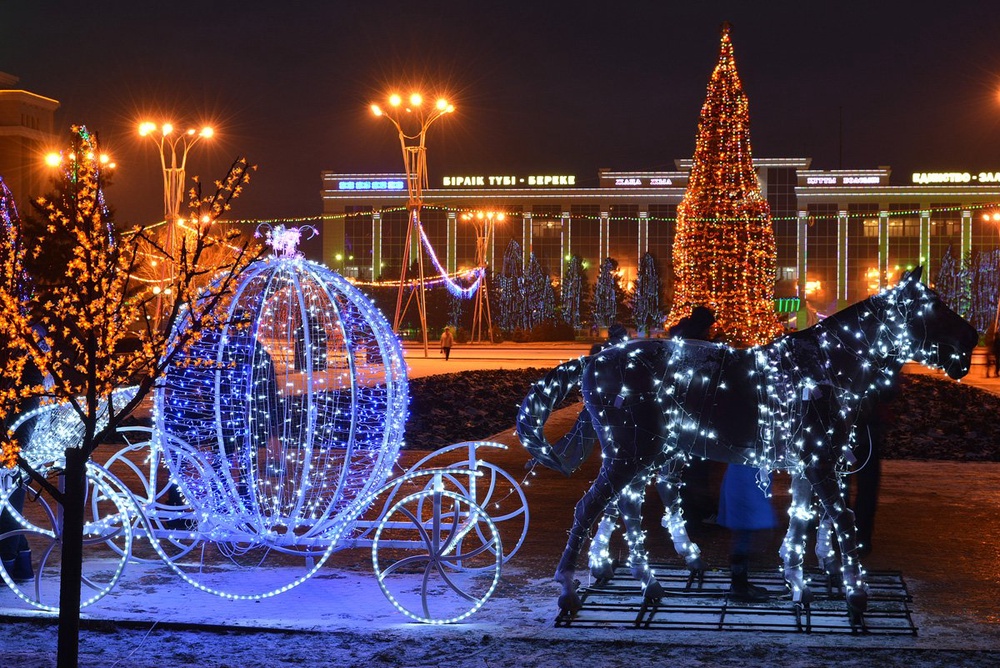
point(605, 294)
point(646, 295)
point(573, 287)
point(724, 251)
point(510, 296)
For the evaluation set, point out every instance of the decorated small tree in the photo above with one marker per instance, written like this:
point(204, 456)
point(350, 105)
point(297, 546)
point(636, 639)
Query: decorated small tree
point(605, 294)
point(510, 297)
point(72, 328)
point(539, 297)
point(724, 251)
point(646, 295)
point(573, 288)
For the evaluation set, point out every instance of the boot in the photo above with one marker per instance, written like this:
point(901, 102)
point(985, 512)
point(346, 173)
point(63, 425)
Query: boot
point(20, 569)
point(741, 590)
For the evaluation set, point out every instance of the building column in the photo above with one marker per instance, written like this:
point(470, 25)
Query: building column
point(925, 244)
point(643, 235)
point(451, 256)
point(966, 235)
point(843, 271)
point(333, 239)
point(564, 243)
point(376, 245)
point(605, 240)
point(526, 241)
point(801, 265)
point(883, 249)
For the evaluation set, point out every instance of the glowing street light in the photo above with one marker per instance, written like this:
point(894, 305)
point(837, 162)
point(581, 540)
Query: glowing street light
point(483, 222)
point(173, 146)
point(411, 121)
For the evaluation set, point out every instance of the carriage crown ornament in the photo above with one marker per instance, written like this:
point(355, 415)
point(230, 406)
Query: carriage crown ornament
point(290, 410)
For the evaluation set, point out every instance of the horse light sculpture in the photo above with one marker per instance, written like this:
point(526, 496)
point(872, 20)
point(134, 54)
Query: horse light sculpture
point(293, 408)
point(788, 405)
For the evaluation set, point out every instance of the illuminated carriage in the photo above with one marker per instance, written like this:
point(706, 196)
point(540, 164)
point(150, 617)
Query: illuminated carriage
point(273, 439)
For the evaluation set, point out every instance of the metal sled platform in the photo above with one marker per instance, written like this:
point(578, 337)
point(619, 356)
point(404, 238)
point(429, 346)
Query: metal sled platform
point(618, 603)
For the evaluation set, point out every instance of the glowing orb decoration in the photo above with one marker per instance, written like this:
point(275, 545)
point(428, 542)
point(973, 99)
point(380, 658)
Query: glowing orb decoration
point(275, 422)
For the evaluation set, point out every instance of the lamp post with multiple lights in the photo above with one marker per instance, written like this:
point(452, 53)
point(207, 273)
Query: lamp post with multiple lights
point(484, 222)
point(411, 121)
point(173, 146)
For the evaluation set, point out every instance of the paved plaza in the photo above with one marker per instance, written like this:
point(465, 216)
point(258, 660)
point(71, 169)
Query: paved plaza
point(938, 528)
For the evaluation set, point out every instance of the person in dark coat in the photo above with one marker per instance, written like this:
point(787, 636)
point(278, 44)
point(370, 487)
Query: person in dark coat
point(698, 325)
point(874, 420)
point(995, 347)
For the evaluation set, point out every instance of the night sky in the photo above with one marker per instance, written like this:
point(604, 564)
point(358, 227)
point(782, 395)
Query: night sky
point(540, 87)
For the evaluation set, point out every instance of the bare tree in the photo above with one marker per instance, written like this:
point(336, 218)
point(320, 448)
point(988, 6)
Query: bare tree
point(74, 326)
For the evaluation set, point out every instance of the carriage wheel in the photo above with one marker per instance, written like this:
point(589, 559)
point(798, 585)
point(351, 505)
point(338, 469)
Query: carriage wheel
point(437, 556)
point(497, 492)
point(139, 468)
point(494, 489)
point(107, 540)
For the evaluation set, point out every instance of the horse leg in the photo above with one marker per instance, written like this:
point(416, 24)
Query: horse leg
point(800, 514)
point(826, 555)
point(601, 565)
point(668, 485)
point(630, 505)
point(827, 487)
point(593, 503)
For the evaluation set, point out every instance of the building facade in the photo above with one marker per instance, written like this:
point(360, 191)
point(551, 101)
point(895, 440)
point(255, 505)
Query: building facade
point(841, 234)
point(27, 123)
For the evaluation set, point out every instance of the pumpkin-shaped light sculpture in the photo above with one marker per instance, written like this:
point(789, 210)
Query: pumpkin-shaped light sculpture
point(275, 422)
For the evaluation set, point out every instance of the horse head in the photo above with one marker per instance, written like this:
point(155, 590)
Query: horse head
point(939, 336)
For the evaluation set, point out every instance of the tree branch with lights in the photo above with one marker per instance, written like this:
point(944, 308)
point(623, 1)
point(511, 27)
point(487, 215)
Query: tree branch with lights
point(74, 326)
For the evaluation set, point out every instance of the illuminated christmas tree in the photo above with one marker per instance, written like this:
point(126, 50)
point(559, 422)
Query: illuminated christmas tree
point(724, 251)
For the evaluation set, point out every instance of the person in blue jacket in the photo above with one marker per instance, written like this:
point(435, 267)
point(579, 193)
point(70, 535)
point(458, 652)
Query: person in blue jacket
point(745, 508)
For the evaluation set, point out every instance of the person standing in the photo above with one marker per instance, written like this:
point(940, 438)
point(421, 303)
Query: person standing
point(995, 347)
point(446, 342)
point(745, 509)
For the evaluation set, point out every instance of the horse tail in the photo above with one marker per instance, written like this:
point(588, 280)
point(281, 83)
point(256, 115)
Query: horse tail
point(572, 449)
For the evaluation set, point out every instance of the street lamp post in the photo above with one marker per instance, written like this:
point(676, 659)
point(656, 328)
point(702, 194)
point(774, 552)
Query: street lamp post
point(484, 222)
point(411, 122)
point(173, 147)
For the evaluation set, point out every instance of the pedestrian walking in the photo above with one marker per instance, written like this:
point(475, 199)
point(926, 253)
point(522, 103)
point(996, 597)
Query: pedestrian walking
point(447, 340)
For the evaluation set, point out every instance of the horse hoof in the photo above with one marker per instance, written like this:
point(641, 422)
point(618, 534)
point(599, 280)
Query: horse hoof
point(570, 604)
point(653, 592)
point(603, 573)
point(695, 575)
point(857, 601)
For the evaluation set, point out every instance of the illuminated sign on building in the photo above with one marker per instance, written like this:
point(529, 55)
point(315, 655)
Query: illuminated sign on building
point(840, 177)
point(508, 181)
point(371, 185)
point(633, 181)
point(956, 177)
